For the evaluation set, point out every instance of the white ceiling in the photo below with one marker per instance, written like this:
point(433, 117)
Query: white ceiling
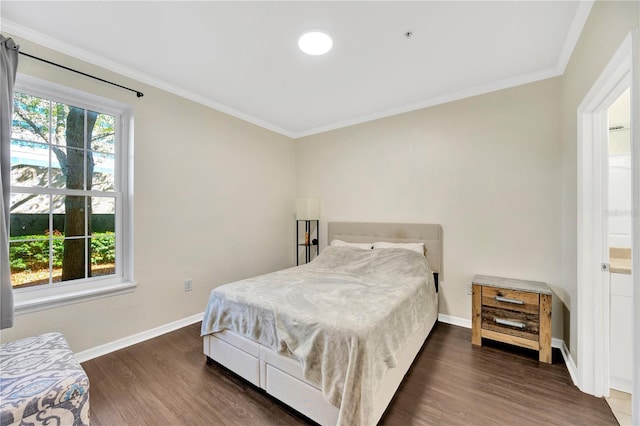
point(242, 57)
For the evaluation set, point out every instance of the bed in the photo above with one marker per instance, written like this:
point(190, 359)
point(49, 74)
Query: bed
point(334, 338)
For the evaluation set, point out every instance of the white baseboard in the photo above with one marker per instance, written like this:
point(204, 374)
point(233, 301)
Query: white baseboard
point(137, 338)
point(571, 366)
point(555, 343)
point(449, 319)
point(622, 385)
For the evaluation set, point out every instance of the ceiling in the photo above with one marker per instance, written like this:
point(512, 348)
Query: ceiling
point(242, 57)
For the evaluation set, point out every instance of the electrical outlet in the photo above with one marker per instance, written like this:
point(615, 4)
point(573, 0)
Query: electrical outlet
point(188, 285)
point(470, 289)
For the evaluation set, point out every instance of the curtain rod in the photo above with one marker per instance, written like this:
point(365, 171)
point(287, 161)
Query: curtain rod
point(138, 94)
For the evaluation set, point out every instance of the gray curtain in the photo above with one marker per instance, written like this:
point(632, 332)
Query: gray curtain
point(8, 67)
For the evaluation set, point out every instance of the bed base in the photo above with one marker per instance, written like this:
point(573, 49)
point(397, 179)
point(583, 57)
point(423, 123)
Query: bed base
point(281, 376)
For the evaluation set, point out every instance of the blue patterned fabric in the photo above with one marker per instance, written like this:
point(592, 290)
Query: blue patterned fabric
point(42, 383)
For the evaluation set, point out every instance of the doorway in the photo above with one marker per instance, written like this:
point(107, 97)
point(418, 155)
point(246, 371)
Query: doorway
point(619, 241)
point(594, 285)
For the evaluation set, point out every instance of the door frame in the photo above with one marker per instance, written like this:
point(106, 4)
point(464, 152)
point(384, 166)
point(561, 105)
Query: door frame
point(593, 284)
point(635, 222)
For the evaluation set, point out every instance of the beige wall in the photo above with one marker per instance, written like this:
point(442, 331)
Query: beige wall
point(487, 168)
point(498, 171)
point(608, 24)
point(214, 201)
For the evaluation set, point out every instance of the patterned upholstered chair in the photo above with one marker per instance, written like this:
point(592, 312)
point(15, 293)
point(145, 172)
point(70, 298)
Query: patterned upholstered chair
point(42, 383)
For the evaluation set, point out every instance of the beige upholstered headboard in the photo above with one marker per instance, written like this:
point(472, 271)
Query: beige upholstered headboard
point(429, 234)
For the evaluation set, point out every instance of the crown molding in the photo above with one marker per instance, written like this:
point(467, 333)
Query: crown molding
point(67, 49)
point(579, 19)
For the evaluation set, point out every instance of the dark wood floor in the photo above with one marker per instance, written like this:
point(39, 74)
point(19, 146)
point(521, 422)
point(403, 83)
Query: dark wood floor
point(166, 381)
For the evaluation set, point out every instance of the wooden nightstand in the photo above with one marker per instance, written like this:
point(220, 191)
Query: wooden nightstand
point(512, 311)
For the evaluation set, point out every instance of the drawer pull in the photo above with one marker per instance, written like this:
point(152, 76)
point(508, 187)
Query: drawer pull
point(509, 323)
point(507, 300)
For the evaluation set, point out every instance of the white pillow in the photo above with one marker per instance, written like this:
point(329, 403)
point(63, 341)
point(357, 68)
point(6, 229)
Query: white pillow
point(362, 246)
point(417, 247)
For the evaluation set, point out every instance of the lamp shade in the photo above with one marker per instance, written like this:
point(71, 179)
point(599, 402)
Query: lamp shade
point(307, 209)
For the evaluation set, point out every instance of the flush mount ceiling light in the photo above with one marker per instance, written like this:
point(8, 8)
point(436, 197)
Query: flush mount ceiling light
point(315, 43)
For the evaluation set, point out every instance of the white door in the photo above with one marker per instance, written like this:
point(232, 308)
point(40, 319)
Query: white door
point(618, 224)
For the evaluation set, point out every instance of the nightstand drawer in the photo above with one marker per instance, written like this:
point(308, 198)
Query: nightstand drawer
point(519, 324)
point(514, 300)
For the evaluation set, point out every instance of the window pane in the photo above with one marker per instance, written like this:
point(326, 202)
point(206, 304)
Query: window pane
point(69, 127)
point(29, 215)
point(73, 259)
point(103, 255)
point(26, 225)
point(29, 261)
point(30, 118)
point(103, 136)
point(103, 243)
point(29, 203)
point(103, 178)
point(67, 168)
point(57, 207)
point(57, 252)
point(29, 163)
point(74, 211)
point(103, 215)
point(59, 115)
point(58, 156)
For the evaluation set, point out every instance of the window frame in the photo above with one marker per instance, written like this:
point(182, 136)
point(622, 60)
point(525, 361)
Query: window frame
point(35, 298)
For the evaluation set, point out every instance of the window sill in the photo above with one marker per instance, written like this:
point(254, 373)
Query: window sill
point(27, 300)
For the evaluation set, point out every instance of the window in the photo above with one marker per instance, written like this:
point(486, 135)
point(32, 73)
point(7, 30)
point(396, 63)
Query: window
point(70, 233)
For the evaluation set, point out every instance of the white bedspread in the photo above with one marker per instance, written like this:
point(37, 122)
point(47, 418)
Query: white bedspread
point(344, 316)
